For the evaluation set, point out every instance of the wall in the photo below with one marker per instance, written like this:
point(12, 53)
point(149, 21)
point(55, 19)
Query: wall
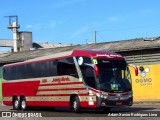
point(146, 84)
point(26, 40)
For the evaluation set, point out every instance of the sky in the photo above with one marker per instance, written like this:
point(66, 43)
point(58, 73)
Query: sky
point(74, 21)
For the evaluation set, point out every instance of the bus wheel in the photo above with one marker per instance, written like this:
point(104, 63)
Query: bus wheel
point(76, 104)
point(16, 104)
point(23, 103)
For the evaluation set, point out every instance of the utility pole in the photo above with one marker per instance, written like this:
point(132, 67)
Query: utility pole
point(95, 37)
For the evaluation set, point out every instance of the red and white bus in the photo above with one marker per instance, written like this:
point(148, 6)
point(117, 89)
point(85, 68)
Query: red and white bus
point(76, 79)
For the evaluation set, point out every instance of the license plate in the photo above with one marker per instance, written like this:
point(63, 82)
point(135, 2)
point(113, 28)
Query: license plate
point(118, 103)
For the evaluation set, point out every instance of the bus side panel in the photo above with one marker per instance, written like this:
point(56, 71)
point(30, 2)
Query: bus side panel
point(10, 89)
point(87, 104)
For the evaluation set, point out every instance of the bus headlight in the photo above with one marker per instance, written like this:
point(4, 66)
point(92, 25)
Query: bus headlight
point(98, 95)
point(105, 97)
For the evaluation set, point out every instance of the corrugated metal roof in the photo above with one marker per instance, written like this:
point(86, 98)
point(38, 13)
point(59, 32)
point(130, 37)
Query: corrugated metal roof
point(117, 46)
point(48, 45)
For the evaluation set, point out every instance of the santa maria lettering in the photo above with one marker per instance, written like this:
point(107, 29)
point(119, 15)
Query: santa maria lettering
point(63, 79)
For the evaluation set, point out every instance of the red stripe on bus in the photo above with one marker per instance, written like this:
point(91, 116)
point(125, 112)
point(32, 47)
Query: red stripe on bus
point(63, 89)
point(49, 103)
point(7, 103)
point(70, 83)
point(83, 104)
point(96, 91)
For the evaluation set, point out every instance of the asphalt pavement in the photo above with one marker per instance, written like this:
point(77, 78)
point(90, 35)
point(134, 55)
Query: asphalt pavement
point(143, 112)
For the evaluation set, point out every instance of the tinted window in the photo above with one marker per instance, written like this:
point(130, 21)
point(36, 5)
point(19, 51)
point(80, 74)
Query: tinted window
point(41, 69)
point(6, 72)
point(20, 72)
point(113, 75)
point(67, 67)
point(87, 70)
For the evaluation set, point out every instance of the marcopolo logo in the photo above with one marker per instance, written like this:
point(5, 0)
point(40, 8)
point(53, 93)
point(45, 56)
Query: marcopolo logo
point(144, 80)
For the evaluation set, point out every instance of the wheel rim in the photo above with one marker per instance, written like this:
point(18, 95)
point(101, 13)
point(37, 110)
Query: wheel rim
point(75, 105)
point(16, 103)
point(23, 104)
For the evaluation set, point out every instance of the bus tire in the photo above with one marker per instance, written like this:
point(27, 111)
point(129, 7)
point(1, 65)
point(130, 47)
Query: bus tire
point(75, 106)
point(16, 104)
point(23, 104)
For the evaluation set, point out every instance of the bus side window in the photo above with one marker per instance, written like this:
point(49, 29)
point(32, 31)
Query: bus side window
point(13, 71)
point(5, 73)
point(87, 71)
point(30, 71)
point(53, 68)
point(67, 67)
point(20, 72)
point(89, 76)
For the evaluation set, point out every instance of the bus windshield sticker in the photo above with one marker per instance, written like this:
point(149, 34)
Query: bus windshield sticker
point(80, 60)
point(114, 87)
point(95, 61)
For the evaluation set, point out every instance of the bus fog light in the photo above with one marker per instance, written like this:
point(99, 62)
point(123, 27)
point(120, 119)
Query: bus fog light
point(103, 104)
point(98, 95)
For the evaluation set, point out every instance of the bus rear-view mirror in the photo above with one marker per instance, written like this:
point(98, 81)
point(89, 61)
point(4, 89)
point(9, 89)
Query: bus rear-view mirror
point(135, 69)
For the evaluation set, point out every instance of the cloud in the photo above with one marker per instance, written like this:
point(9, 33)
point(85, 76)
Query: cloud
point(35, 26)
point(48, 25)
point(29, 26)
point(114, 19)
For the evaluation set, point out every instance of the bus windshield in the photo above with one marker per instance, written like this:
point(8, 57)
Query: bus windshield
point(114, 76)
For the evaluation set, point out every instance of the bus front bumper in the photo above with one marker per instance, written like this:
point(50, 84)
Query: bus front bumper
point(114, 101)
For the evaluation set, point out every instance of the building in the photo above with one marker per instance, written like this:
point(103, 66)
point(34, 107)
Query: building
point(24, 43)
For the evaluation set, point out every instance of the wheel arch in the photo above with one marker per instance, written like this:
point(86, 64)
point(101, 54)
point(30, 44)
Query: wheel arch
point(72, 97)
point(14, 97)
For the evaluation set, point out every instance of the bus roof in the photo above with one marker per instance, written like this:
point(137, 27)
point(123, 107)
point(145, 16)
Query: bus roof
point(86, 53)
point(96, 54)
